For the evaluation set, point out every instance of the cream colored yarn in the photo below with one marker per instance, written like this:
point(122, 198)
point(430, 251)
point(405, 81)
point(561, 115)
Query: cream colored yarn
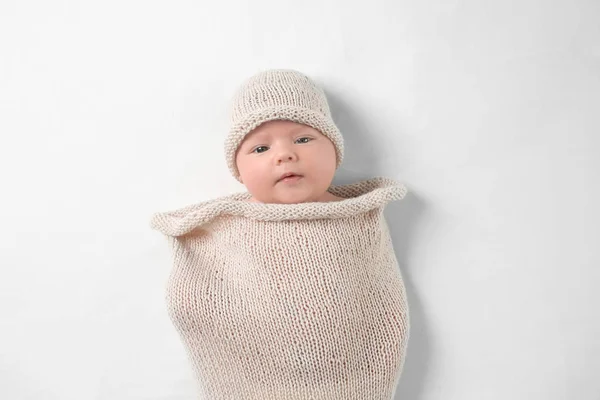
point(279, 94)
point(289, 301)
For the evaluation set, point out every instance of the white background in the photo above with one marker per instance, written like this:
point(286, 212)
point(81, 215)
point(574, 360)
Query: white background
point(489, 112)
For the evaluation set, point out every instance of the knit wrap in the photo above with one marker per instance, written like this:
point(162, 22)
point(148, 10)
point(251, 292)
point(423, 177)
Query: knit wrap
point(289, 301)
point(279, 94)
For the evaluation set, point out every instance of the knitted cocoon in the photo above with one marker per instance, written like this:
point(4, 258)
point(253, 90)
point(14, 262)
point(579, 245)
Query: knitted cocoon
point(289, 301)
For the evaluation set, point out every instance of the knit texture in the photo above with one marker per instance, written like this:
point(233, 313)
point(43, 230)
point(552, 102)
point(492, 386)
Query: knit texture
point(279, 94)
point(289, 301)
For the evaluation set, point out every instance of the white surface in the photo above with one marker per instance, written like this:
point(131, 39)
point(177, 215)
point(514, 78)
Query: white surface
point(487, 110)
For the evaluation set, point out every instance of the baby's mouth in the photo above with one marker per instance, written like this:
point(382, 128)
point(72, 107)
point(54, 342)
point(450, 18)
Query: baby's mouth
point(291, 178)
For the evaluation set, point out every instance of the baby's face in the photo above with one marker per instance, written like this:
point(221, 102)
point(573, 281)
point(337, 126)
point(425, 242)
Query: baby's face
point(278, 147)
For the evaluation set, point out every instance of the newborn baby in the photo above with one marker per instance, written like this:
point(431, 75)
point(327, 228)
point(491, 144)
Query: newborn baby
point(291, 289)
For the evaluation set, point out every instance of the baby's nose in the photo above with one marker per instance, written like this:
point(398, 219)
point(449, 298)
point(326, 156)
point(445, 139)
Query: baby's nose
point(287, 158)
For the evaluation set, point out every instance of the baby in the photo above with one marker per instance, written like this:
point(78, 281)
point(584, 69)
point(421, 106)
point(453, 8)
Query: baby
point(283, 145)
point(291, 289)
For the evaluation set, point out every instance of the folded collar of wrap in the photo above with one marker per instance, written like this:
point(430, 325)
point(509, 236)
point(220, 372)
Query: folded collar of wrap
point(359, 197)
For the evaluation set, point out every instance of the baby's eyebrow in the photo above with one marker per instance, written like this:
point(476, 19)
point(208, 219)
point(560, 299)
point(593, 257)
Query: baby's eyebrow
point(263, 135)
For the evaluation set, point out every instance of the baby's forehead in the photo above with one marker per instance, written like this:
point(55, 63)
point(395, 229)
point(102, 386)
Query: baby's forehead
point(278, 128)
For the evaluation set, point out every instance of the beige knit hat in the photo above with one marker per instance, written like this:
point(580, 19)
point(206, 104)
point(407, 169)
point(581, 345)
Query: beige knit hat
point(279, 94)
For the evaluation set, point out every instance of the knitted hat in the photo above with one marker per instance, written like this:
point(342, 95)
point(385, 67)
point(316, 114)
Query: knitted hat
point(280, 94)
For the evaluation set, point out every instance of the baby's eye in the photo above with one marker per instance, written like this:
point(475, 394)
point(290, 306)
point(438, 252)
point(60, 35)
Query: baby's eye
point(259, 147)
point(308, 139)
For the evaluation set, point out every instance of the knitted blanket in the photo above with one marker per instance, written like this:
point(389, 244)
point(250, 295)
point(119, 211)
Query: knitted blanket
point(289, 301)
